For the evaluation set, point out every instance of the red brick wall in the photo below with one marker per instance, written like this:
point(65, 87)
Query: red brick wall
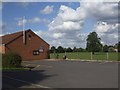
point(26, 50)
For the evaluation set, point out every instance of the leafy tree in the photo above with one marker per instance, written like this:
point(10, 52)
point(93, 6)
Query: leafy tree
point(53, 49)
point(60, 49)
point(111, 49)
point(105, 48)
point(116, 46)
point(93, 43)
point(69, 49)
point(74, 49)
point(65, 49)
point(119, 46)
point(80, 50)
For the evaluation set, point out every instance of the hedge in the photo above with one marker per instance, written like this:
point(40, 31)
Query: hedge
point(11, 60)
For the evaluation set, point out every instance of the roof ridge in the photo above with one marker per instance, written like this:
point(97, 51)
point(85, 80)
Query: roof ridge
point(6, 39)
point(15, 32)
point(9, 38)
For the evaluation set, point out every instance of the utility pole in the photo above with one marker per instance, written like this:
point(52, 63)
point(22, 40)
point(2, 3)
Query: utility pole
point(91, 55)
point(24, 30)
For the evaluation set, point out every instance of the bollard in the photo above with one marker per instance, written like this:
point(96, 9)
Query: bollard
point(91, 55)
point(107, 56)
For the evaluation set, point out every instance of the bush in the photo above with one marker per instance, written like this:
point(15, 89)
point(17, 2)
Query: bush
point(11, 60)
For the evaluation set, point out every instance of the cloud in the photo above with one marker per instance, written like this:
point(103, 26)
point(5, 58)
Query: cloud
point(34, 20)
point(38, 20)
point(106, 14)
point(47, 10)
point(69, 14)
point(101, 11)
point(24, 4)
point(65, 28)
point(62, 39)
point(21, 21)
point(107, 32)
point(57, 35)
point(66, 20)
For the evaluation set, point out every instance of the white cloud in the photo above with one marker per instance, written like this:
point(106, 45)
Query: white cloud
point(67, 20)
point(69, 14)
point(65, 29)
point(102, 27)
point(106, 14)
point(21, 21)
point(24, 4)
point(63, 39)
point(102, 11)
point(57, 35)
point(39, 20)
point(47, 10)
point(65, 26)
point(36, 19)
point(107, 32)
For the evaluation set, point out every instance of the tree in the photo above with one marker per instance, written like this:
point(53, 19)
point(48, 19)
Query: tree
point(53, 49)
point(69, 49)
point(74, 49)
point(119, 46)
point(60, 49)
point(93, 43)
point(111, 49)
point(105, 48)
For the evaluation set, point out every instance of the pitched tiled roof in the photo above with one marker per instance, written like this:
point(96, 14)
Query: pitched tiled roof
point(6, 39)
point(11, 37)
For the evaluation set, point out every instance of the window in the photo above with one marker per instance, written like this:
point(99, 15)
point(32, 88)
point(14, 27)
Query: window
point(29, 36)
point(35, 52)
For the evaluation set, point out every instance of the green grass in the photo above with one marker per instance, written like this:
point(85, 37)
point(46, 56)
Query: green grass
point(14, 69)
point(113, 56)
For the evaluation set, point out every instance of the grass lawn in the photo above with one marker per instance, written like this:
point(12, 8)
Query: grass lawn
point(14, 69)
point(87, 56)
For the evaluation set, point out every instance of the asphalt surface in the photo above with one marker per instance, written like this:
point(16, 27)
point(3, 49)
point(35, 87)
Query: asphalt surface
point(63, 74)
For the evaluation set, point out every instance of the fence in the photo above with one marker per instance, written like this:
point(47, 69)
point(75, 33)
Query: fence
point(87, 55)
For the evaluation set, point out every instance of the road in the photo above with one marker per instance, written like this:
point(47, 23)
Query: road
point(63, 74)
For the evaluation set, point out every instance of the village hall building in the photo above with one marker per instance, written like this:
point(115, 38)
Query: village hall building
point(25, 43)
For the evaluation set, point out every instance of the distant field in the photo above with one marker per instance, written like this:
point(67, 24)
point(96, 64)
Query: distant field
point(113, 56)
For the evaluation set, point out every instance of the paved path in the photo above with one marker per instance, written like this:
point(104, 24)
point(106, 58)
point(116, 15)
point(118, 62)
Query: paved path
point(64, 74)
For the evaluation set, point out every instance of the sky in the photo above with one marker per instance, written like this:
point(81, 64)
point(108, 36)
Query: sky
point(64, 24)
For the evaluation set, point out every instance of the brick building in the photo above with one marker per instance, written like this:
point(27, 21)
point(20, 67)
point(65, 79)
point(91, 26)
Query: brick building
point(25, 43)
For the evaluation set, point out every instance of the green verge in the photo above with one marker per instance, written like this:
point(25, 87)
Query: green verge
point(15, 69)
point(112, 56)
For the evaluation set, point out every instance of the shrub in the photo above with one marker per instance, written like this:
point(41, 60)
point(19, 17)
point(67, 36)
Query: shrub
point(11, 60)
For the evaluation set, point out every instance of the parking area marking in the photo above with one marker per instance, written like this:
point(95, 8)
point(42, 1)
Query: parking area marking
point(38, 85)
point(47, 66)
point(27, 65)
point(37, 66)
